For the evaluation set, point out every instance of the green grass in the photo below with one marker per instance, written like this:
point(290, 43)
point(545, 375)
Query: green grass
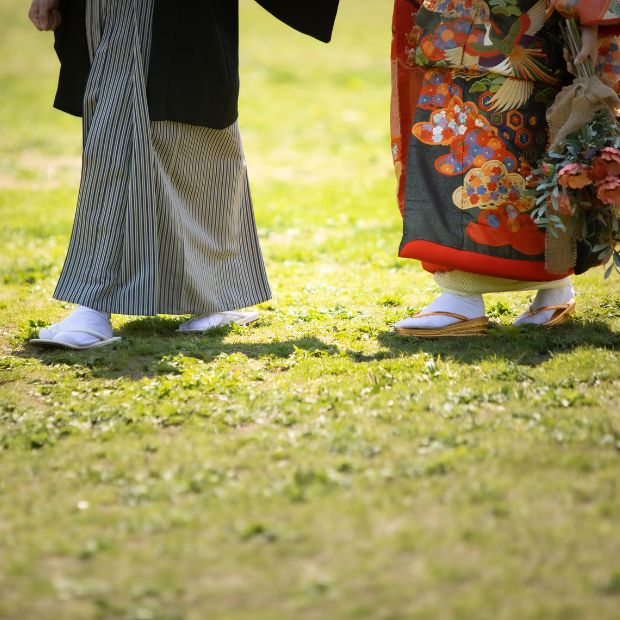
point(313, 466)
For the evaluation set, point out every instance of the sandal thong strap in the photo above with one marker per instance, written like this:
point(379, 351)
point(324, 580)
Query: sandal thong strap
point(459, 317)
point(565, 306)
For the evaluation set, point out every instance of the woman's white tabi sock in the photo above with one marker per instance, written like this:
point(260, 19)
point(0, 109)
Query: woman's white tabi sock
point(71, 327)
point(549, 297)
point(469, 306)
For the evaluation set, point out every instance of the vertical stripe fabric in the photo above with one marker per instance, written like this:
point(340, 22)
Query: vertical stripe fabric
point(164, 223)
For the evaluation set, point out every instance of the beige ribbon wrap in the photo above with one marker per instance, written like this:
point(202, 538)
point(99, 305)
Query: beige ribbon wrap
point(574, 107)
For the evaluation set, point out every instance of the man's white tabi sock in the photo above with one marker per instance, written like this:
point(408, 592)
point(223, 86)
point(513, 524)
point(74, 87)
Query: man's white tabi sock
point(82, 318)
point(202, 323)
point(549, 297)
point(220, 319)
point(469, 306)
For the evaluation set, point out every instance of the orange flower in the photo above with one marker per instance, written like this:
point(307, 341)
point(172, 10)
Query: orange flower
point(611, 157)
point(565, 206)
point(608, 191)
point(574, 176)
point(598, 171)
point(609, 153)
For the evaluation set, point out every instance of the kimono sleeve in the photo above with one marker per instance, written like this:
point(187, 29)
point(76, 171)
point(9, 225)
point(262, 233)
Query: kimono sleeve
point(314, 18)
point(71, 46)
point(589, 12)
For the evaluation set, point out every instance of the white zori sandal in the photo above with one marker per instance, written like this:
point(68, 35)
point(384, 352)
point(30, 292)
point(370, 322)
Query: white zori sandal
point(83, 329)
point(202, 324)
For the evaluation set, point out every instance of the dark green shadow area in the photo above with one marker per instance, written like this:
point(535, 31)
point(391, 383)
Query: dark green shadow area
point(149, 341)
point(529, 346)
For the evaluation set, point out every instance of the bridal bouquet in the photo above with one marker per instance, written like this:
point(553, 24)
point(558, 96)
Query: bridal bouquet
point(578, 180)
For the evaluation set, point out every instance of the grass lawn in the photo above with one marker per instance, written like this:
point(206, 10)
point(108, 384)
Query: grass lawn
point(314, 466)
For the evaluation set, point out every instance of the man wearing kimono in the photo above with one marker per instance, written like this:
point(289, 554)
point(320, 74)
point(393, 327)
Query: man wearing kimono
point(164, 222)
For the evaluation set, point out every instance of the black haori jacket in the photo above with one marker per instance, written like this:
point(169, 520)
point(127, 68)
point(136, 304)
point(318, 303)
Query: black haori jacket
point(194, 65)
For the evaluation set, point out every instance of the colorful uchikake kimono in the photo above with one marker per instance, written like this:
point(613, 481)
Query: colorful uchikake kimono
point(472, 81)
point(164, 221)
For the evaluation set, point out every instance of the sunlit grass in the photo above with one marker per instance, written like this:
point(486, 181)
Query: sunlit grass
point(313, 466)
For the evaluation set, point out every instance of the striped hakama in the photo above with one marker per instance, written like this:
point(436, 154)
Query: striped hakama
point(164, 222)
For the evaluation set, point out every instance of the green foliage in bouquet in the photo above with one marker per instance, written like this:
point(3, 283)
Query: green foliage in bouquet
point(579, 190)
point(578, 181)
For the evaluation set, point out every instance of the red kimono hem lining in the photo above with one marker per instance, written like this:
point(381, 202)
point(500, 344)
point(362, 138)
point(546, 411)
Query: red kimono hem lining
point(436, 258)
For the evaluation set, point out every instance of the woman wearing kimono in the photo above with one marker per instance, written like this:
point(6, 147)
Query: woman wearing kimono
point(472, 81)
point(164, 221)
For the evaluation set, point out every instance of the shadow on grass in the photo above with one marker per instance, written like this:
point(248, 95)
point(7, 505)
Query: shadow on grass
point(147, 342)
point(523, 345)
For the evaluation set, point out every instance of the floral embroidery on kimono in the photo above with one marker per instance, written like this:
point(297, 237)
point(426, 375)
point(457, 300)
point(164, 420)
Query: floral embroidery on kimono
point(472, 80)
